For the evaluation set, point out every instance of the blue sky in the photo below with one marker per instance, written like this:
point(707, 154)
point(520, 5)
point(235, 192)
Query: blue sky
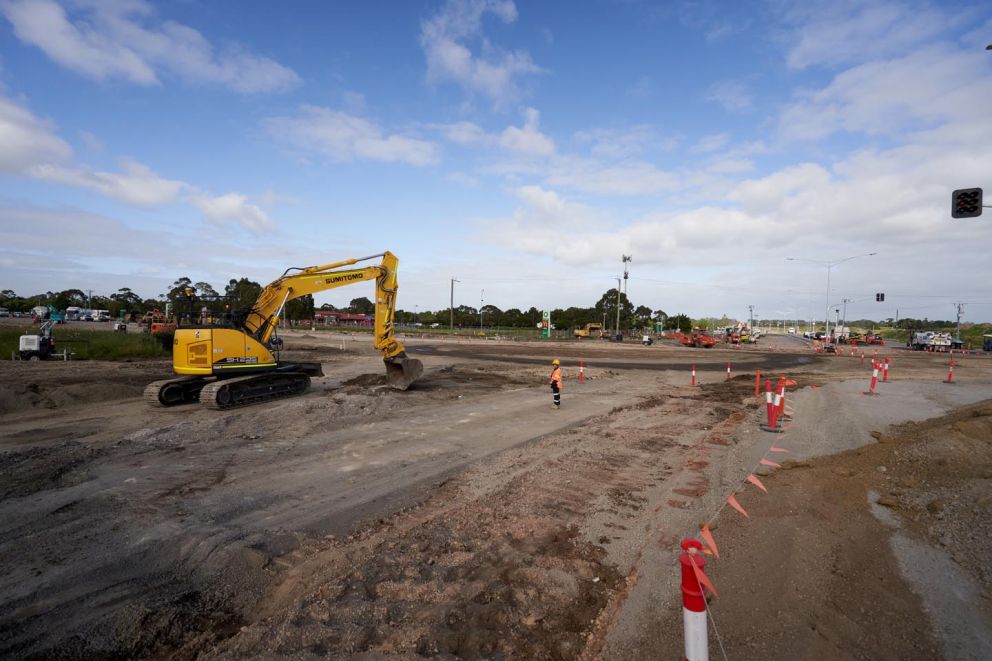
point(519, 147)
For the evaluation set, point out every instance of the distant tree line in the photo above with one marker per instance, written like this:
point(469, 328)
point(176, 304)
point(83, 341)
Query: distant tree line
point(188, 298)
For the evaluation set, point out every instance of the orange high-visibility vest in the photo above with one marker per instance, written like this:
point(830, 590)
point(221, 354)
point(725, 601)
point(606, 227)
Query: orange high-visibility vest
point(556, 376)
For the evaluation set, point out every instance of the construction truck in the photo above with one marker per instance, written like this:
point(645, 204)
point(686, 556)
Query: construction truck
point(589, 330)
point(933, 341)
point(238, 364)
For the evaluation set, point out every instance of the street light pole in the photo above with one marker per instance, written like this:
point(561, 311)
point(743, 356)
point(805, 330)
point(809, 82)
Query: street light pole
point(618, 306)
point(829, 264)
point(451, 320)
point(482, 299)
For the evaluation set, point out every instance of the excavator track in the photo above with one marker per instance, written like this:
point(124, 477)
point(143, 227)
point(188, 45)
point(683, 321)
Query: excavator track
point(172, 392)
point(241, 391)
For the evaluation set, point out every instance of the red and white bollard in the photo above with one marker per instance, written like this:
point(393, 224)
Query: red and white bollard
point(582, 369)
point(694, 374)
point(693, 602)
point(728, 372)
point(885, 370)
point(772, 401)
point(862, 358)
point(950, 372)
point(874, 379)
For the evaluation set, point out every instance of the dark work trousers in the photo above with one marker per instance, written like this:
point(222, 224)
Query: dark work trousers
point(557, 392)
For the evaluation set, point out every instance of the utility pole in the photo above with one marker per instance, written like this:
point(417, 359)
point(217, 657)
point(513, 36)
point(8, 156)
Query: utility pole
point(844, 318)
point(618, 306)
point(957, 332)
point(750, 318)
point(482, 299)
point(451, 323)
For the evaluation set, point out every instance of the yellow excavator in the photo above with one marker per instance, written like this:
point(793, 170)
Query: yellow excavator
point(238, 364)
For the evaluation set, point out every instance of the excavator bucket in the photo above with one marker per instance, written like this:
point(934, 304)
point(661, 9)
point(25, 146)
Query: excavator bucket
point(402, 371)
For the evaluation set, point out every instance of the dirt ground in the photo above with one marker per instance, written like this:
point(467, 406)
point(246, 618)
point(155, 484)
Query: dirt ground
point(465, 518)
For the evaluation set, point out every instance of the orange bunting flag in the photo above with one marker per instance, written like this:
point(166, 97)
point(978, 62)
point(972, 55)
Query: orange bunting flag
point(703, 581)
point(737, 506)
point(775, 449)
point(766, 462)
point(756, 482)
point(708, 538)
point(789, 383)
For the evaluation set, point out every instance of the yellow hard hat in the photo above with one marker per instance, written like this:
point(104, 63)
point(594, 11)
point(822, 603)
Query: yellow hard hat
point(556, 362)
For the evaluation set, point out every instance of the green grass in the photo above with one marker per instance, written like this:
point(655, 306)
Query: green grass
point(90, 345)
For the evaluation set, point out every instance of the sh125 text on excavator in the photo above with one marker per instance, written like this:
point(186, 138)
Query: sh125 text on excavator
point(237, 363)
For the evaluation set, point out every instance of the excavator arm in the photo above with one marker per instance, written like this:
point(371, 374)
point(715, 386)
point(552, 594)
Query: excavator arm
point(262, 320)
point(264, 316)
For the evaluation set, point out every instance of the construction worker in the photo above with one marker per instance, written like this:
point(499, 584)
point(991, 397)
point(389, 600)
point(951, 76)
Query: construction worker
point(556, 382)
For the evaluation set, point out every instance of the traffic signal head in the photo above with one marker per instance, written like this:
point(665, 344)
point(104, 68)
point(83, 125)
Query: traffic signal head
point(966, 203)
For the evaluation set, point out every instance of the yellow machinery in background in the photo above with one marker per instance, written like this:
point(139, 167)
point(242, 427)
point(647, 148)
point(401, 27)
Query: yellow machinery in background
point(239, 364)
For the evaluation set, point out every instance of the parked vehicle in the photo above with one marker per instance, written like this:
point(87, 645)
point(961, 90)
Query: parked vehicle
point(933, 341)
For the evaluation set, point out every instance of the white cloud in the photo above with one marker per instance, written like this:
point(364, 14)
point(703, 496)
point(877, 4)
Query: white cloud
point(492, 71)
point(625, 143)
point(850, 31)
point(623, 178)
point(926, 88)
point(26, 141)
point(137, 184)
point(528, 139)
point(232, 206)
point(733, 95)
point(710, 143)
point(29, 147)
point(467, 134)
point(111, 40)
point(731, 166)
point(462, 179)
point(342, 137)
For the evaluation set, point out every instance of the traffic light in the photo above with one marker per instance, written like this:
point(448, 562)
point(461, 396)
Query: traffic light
point(966, 203)
point(880, 298)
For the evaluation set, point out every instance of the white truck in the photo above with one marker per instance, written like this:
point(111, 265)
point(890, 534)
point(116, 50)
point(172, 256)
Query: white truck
point(932, 341)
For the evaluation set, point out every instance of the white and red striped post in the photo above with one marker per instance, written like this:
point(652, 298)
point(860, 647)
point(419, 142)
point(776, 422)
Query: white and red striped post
point(693, 602)
point(694, 374)
point(728, 372)
point(862, 358)
point(885, 370)
point(950, 371)
point(772, 401)
point(582, 369)
point(874, 379)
